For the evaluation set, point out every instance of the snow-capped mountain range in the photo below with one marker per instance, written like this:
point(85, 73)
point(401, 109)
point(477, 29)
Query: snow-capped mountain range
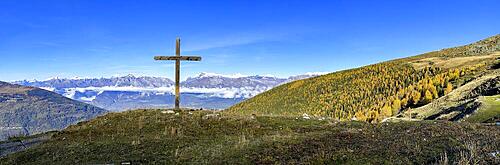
point(207, 90)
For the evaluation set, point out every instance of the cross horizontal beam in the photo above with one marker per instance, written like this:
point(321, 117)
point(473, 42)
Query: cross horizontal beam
point(181, 58)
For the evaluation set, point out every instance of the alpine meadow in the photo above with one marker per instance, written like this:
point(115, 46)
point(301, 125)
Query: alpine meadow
point(324, 119)
point(378, 91)
point(250, 82)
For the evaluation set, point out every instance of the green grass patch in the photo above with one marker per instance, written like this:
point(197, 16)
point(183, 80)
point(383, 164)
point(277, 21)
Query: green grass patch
point(489, 110)
point(201, 137)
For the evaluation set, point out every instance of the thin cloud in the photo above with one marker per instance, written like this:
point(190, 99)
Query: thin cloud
point(100, 49)
point(48, 44)
point(226, 42)
point(33, 25)
point(244, 38)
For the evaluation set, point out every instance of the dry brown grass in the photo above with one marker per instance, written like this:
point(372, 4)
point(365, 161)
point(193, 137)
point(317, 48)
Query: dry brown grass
point(14, 90)
point(446, 62)
point(151, 137)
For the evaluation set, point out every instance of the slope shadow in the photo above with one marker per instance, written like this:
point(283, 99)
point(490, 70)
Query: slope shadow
point(464, 109)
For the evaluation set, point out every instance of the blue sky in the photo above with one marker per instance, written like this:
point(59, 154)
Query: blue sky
point(43, 39)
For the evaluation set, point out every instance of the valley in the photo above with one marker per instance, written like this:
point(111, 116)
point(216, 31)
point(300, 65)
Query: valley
point(207, 90)
point(29, 110)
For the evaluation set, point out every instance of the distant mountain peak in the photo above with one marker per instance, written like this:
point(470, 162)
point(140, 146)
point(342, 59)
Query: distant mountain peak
point(315, 73)
point(3, 83)
point(268, 75)
point(124, 92)
point(130, 75)
point(53, 78)
point(208, 74)
point(233, 76)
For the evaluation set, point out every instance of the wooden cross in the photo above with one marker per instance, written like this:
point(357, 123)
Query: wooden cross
point(178, 58)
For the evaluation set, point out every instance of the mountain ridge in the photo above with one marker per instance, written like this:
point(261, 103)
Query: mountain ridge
point(121, 81)
point(373, 92)
point(207, 90)
point(29, 110)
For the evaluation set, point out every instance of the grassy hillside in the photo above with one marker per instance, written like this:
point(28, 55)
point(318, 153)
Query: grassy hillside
point(202, 137)
point(374, 92)
point(465, 103)
point(28, 110)
point(275, 133)
point(490, 107)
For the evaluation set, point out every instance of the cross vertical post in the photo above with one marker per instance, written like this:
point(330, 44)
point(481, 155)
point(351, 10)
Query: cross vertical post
point(177, 73)
point(178, 58)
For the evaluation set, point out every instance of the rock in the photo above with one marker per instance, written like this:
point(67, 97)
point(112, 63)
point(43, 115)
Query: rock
point(305, 116)
point(488, 88)
point(495, 154)
point(167, 112)
point(208, 116)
